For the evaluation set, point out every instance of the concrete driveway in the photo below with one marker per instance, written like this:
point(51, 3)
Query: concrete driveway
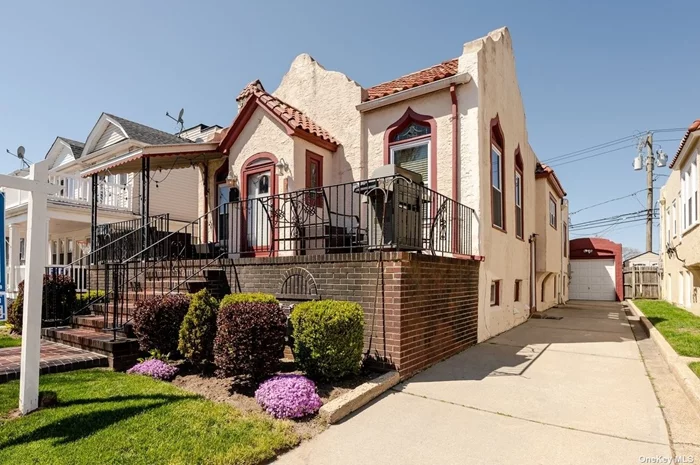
point(572, 390)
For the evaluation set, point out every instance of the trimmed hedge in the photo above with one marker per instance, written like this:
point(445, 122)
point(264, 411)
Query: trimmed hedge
point(57, 304)
point(85, 298)
point(198, 329)
point(249, 339)
point(328, 338)
point(248, 297)
point(157, 322)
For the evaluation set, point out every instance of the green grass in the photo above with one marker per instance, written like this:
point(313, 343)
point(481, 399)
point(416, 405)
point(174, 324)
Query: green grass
point(6, 340)
point(113, 418)
point(695, 366)
point(680, 327)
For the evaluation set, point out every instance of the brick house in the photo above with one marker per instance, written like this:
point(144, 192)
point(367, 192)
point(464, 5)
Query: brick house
point(420, 198)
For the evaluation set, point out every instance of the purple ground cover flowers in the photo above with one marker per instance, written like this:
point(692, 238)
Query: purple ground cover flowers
point(288, 396)
point(155, 369)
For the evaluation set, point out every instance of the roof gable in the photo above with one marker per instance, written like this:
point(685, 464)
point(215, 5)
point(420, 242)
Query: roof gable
point(292, 120)
point(63, 151)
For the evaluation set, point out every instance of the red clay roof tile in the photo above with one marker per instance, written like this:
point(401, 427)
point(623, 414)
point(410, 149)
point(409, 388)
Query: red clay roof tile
point(692, 128)
point(425, 76)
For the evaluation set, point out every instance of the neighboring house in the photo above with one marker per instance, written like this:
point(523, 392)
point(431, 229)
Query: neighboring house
point(643, 259)
point(460, 125)
point(118, 201)
point(680, 235)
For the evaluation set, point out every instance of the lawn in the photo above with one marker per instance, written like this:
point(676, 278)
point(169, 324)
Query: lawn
point(680, 327)
point(104, 417)
point(5, 339)
point(695, 366)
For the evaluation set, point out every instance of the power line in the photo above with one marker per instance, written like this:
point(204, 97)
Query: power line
point(611, 143)
point(608, 201)
point(574, 160)
point(607, 221)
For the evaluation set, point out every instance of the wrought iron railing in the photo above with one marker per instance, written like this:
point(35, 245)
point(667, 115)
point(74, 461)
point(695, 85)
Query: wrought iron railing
point(377, 214)
point(120, 240)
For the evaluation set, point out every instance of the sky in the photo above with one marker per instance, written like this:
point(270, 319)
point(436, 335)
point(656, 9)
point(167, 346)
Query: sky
point(589, 72)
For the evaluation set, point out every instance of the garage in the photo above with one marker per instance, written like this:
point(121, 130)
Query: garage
point(592, 280)
point(595, 269)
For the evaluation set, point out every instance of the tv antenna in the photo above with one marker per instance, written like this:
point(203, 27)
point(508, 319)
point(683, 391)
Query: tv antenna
point(20, 155)
point(179, 119)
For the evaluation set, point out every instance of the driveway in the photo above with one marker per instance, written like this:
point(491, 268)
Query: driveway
point(572, 390)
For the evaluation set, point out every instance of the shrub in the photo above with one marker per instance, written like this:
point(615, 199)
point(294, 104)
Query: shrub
point(156, 369)
point(198, 329)
point(249, 339)
point(83, 299)
point(57, 303)
point(157, 321)
point(288, 396)
point(328, 338)
point(248, 297)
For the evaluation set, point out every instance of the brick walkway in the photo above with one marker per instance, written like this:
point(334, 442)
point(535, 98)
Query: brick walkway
point(54, 358)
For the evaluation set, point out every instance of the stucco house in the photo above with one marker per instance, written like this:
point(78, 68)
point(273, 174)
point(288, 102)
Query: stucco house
point(420, 198)
point(680, 236)
point(117, 206)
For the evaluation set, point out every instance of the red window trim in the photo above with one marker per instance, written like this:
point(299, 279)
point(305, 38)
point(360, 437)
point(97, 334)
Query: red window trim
point(519, 170)
point(496, 126)
point(311, 156)
point(408, 117)
point(556, 213)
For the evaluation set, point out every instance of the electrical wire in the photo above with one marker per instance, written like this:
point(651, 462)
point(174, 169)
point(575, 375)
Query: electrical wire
point(607, 201)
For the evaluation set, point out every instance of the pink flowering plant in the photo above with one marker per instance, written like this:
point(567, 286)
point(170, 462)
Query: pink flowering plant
point(154, 368)
point(288, 396)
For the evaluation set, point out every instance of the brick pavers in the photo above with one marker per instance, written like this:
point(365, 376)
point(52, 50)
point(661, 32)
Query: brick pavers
point(54, 358)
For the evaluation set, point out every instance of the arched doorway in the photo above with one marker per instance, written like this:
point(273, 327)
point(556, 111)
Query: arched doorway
point(259, 186)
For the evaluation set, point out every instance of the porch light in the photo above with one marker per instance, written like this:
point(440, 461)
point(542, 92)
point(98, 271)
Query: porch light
point(282, 167)
point(231, 180)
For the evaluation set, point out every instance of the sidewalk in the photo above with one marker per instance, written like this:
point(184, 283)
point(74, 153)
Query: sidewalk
point(573, 391)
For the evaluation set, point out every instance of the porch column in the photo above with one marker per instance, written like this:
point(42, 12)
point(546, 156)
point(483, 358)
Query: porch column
point(145, 200)
point(93, 217)
point(14, 257)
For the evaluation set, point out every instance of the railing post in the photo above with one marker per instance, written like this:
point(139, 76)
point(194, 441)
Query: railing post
point(93, 214)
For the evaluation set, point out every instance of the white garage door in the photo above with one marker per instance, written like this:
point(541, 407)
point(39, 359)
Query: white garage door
point(592, 280)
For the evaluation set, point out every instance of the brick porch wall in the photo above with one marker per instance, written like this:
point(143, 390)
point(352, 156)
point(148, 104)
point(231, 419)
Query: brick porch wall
point(429, 309)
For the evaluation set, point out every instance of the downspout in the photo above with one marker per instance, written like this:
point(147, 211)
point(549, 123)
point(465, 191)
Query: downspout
point(456, 240)
point(533, 270)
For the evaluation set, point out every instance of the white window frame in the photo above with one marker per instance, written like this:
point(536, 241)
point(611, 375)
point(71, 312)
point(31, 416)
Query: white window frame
point(675, 218)
point(518, 197)
point(689, 193)
point(495, 293)
point(553, 215)
point(494, 148)
point(408, 145)
point(668, 226)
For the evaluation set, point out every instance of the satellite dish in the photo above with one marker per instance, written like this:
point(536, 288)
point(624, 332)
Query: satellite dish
point(179, 115)
point(20, 152)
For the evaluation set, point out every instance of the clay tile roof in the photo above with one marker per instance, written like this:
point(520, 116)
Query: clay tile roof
point(692, 128)
point(292, 117)
point(248, 90)
point(544, 171)
point(425, 76)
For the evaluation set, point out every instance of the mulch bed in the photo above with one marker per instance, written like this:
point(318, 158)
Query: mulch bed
point(231, 391)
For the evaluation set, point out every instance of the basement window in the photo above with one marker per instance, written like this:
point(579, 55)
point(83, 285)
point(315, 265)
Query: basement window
point(517, 290)
point(495, 293)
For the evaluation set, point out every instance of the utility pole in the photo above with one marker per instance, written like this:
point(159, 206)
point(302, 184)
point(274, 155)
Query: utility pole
point(650, 188)
point(660, 160)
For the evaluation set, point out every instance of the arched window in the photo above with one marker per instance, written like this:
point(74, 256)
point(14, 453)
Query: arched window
point(518, 195)
point(410, 144)
point(498, 211)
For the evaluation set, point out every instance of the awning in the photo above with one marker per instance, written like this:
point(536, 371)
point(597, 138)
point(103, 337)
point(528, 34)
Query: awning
point(162, 157)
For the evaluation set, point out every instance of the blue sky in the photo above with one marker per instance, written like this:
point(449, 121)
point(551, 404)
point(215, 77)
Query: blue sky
point(589, 72)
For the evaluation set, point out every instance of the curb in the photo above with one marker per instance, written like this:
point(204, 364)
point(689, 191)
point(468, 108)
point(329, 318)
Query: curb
point(683, 374)
point(342, 406)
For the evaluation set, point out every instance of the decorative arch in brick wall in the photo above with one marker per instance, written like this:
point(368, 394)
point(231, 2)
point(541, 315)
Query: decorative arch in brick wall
point(590, 248)
point(298, 284)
